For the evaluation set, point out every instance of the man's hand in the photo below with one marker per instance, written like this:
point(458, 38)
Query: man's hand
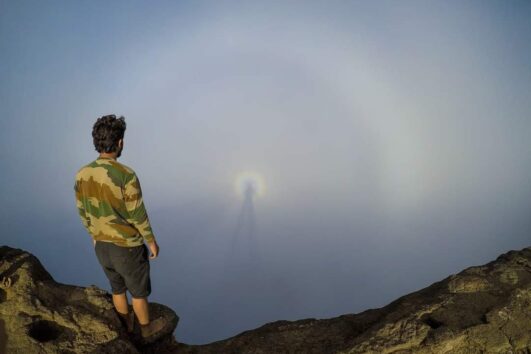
point(154, 248)
point(94, 242)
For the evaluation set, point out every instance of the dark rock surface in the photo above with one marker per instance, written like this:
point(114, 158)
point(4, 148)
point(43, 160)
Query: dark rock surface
point(482, 309)
point(39, 315)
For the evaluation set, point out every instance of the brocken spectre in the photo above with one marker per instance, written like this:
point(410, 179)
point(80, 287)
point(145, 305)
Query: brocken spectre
point(249, 178)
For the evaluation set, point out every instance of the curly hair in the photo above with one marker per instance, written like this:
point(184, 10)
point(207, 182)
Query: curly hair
point(106, 133)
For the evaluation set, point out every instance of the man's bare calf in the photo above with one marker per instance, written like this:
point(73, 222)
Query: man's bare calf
point(141, 308)
point(120, 303)
point(147, 327)
point(122, 307)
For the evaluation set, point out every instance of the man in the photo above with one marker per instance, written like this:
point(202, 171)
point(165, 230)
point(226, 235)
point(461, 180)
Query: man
point(110, 205)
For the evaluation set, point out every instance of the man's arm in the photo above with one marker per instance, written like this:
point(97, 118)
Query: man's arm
point(80, 207)
point(137, 215)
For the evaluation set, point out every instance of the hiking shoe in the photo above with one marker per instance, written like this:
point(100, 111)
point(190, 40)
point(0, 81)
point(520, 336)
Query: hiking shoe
point(152, 330)
point(128, 320)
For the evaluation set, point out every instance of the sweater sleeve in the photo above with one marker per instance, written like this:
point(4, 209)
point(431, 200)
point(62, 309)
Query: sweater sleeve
point(137, 215)
point(80, 207)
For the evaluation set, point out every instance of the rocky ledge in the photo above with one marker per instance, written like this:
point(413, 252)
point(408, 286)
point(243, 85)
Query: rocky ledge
point(482, 309)
point(39, 315)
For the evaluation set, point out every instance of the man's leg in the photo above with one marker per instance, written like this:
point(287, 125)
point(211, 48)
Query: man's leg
point(147, 328)
point(120, 303)
point(141, 308)
point(119, 297)
point(122, 307)
point(136, 276)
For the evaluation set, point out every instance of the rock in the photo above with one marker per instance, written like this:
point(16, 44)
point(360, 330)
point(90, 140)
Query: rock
point(483, 309)
point(467, 284)
point(39, 315)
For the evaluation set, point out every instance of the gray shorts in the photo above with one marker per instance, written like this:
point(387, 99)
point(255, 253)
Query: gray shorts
point(127, 268)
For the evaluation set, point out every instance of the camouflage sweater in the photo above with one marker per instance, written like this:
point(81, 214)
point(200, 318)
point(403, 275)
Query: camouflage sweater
point(109, 202)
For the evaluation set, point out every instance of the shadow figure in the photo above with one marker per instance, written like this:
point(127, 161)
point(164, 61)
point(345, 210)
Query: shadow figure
point(244, 245)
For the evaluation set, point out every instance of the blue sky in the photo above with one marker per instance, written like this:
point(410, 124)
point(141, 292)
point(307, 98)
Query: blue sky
point(392, 139)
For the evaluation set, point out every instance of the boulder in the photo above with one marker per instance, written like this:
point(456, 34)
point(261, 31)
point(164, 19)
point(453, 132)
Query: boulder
point(40, 315)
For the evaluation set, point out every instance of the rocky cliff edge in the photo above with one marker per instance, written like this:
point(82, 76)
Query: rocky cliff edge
point(482, 309)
